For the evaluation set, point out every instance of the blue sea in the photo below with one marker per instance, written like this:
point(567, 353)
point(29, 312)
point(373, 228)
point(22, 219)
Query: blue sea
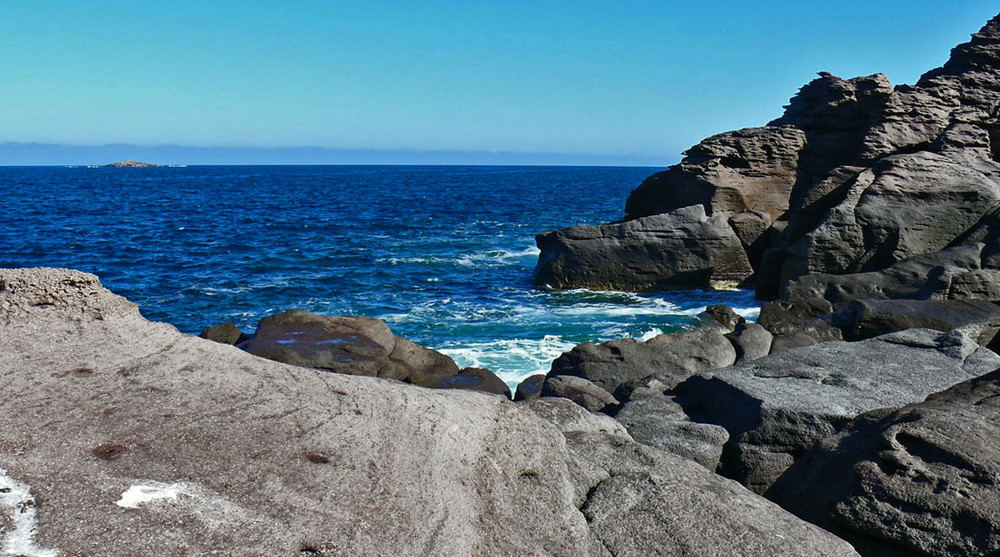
point(442, 254)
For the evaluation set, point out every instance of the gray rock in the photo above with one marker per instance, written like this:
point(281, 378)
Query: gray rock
point(263, 458)
point(777, 407)
point(642, 501)
point(751, 341)
point(580, 391)
point(653, 418)
point(924, 479)
point(721, 316)
point(863, 319)
point(119, 436)
point(798, 339)
point(670, 358)
point(681, 249)
point(226, 333)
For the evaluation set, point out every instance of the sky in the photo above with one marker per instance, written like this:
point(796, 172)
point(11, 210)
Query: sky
point(637, 80)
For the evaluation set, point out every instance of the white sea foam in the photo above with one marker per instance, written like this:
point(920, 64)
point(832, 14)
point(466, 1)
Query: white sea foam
point(18, 506)
point(512, 360)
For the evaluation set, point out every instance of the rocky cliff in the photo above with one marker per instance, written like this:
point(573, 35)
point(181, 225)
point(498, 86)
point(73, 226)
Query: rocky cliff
point(855, 177)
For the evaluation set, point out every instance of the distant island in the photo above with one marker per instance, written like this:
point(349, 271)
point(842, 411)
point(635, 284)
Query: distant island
point(132, 164)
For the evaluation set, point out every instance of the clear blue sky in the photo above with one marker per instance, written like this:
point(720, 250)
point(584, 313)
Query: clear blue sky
point(640, 78)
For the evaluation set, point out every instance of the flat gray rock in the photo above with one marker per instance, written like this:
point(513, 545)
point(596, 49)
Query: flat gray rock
point(778, 406)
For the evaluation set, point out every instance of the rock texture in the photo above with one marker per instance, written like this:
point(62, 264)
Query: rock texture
point(776, 407)
point(351, 345)
point(924, 479)
point(124, 437)
point(855, 177)
point(683, 248)
point(670, 358)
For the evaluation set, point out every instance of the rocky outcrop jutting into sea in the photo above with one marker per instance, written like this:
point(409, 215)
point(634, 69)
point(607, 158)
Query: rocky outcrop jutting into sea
point(900, 184)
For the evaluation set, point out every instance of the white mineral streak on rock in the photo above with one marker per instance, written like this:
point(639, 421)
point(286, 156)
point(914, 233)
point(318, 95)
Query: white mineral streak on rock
point(17, 507)
point(152, 492)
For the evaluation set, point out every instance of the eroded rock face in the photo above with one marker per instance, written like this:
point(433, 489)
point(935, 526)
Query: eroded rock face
point(134, 439)
point(924, 479)
point(778, 406)
point(681, 249)
point(855, 177)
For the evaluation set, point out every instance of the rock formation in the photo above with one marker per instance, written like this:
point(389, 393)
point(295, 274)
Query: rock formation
point(119, 436)
point(899, 184)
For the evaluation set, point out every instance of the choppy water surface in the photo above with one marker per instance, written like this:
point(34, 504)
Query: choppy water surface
point(444, 255)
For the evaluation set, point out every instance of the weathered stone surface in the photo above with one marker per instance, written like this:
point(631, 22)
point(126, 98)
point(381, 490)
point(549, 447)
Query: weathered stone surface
point(351, 345)
point(746, 170)
point(129, 438)
point(670, 358)
point(784, 318)
point(653, 418)
point(777, 407)
point(226, 333)
point(924, 479)
point(798, 339)
point(863, 319)
point(751, 341)
point(642, 501)
point(681, 249)
point(265, 458)
point(580, 391)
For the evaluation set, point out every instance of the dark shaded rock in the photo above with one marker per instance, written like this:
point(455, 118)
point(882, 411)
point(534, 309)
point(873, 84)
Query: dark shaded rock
point(580, 391)
point(721, 316)
point(477, 379)
point(798, 339)
point(530, 388)
point(226, 333)
point(751, 341)
point(955, 273)
point(863, 319)
point(924, 479)
point(681, 249)
point(778, 406)
point(669, 358)
point(788, 318)
point(653, 418)
point(418, 365)
point(351, 345)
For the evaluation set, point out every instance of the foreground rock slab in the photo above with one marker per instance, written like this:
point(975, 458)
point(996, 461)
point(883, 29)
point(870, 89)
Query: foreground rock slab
point(125, 437)
point(923, 479)
point(778, 406)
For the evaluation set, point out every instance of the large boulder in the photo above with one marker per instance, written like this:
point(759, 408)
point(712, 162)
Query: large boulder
point(348, 344)
point(924, 479)
point(863, 319)
point(778, 406)
point(119, 436)
point(681, 249)
point(671, 358)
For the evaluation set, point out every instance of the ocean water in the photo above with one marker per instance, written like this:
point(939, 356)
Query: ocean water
point(444, 255)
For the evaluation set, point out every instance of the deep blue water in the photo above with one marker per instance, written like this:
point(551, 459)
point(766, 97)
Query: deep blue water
point(444, 255)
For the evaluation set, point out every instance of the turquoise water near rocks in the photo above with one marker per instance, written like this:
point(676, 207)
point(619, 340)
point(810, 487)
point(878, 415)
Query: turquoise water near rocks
point(444, 255)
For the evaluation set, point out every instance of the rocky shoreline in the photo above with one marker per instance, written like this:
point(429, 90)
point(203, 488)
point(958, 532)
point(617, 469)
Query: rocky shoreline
point(859, 415)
